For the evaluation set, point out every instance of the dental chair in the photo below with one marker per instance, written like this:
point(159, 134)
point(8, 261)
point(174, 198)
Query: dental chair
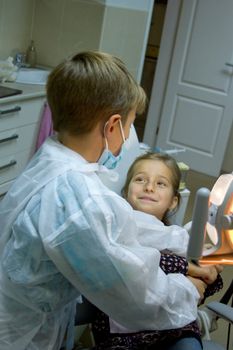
point(214, 310)
point(220, 310)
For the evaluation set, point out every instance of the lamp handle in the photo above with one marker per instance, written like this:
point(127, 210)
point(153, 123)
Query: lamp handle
point(198, 228)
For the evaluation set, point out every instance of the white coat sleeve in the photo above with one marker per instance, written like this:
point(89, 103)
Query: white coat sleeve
point(95, 247)
point(153, 233)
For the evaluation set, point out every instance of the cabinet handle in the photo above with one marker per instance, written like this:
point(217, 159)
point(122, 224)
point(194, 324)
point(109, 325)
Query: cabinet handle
point(12, 137)
point(10, 110)
point(229, 64)
point(11, 163)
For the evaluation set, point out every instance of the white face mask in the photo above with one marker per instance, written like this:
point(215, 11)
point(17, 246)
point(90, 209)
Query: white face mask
point(107, 158)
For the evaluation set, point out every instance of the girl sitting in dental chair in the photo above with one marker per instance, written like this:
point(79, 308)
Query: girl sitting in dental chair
point(152, 186)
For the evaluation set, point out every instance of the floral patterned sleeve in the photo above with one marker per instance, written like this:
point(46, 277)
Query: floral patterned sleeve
point(171, 263)
point(214, 287)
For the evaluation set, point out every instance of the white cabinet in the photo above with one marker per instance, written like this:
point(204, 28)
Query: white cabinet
point(19, 126)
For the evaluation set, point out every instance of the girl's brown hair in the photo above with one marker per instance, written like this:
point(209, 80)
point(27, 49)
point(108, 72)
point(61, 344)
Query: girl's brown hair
point(175, 179)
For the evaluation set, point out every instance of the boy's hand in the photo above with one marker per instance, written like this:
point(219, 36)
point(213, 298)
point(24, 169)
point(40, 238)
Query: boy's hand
point(208, 273)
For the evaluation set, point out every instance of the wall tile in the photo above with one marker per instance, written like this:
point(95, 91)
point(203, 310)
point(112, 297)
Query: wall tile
point(15, 26)
point(62, 27)
point(47, 30)
point(81, 27)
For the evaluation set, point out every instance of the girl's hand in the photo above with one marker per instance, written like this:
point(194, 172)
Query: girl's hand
point(200, 285)
point(208, 273)
point(219, 268)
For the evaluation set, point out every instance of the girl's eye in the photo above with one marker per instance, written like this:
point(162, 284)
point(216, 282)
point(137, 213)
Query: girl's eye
point(161, 184)
point(140, 180)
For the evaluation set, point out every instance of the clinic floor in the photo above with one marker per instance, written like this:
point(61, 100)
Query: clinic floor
point(194, 181)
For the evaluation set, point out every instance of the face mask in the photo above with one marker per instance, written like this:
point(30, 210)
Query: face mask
point(107, 158)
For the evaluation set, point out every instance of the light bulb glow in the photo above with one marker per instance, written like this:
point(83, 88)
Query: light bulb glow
point(229, 211)
point(212, 233)
point(220, 189)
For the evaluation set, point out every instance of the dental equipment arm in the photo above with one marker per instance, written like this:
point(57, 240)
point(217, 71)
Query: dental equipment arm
point(198, 228)
point(213, 217)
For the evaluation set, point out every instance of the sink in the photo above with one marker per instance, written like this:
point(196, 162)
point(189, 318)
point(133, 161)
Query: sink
point(32, 76)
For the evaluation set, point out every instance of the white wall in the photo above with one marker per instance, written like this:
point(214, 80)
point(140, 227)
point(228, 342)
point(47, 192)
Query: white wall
point(122, 36)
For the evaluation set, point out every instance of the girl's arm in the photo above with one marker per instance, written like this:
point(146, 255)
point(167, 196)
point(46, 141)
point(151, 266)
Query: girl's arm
point(171, 263)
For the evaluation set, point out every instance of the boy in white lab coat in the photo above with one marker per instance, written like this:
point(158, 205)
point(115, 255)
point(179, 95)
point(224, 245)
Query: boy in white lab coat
point(63, 233)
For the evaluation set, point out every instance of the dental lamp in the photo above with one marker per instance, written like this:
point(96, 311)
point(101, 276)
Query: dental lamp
point(211, 234)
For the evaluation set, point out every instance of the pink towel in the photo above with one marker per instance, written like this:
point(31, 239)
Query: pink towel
point(46, 126)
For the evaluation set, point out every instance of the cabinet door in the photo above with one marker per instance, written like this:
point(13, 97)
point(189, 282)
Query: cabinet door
point(197, 109)
point(19, 126)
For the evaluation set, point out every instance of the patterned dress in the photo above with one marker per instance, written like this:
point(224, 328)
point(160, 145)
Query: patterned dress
point(150, 340)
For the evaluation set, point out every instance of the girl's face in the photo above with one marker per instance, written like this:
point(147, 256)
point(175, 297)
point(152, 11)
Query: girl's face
point(150, 189)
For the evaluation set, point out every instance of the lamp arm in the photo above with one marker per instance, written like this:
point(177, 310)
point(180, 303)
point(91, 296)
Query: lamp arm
point(198, 228)
point(227, 222)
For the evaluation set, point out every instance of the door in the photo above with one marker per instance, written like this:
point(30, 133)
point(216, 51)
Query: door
point(197, 109)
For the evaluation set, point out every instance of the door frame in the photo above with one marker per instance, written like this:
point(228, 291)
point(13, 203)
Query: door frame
point(150, 7)
point(162, 72)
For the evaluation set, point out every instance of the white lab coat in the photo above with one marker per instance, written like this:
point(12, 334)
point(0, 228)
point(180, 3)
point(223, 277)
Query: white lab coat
point(63, 233)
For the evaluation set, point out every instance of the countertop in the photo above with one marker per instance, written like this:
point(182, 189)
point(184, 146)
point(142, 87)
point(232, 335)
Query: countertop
point(29, 91)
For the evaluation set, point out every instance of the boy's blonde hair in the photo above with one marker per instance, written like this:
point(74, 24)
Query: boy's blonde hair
point(89, 87)
point(170, 163)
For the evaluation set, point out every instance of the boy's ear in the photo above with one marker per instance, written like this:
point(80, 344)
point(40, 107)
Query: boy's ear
point(112, 123)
